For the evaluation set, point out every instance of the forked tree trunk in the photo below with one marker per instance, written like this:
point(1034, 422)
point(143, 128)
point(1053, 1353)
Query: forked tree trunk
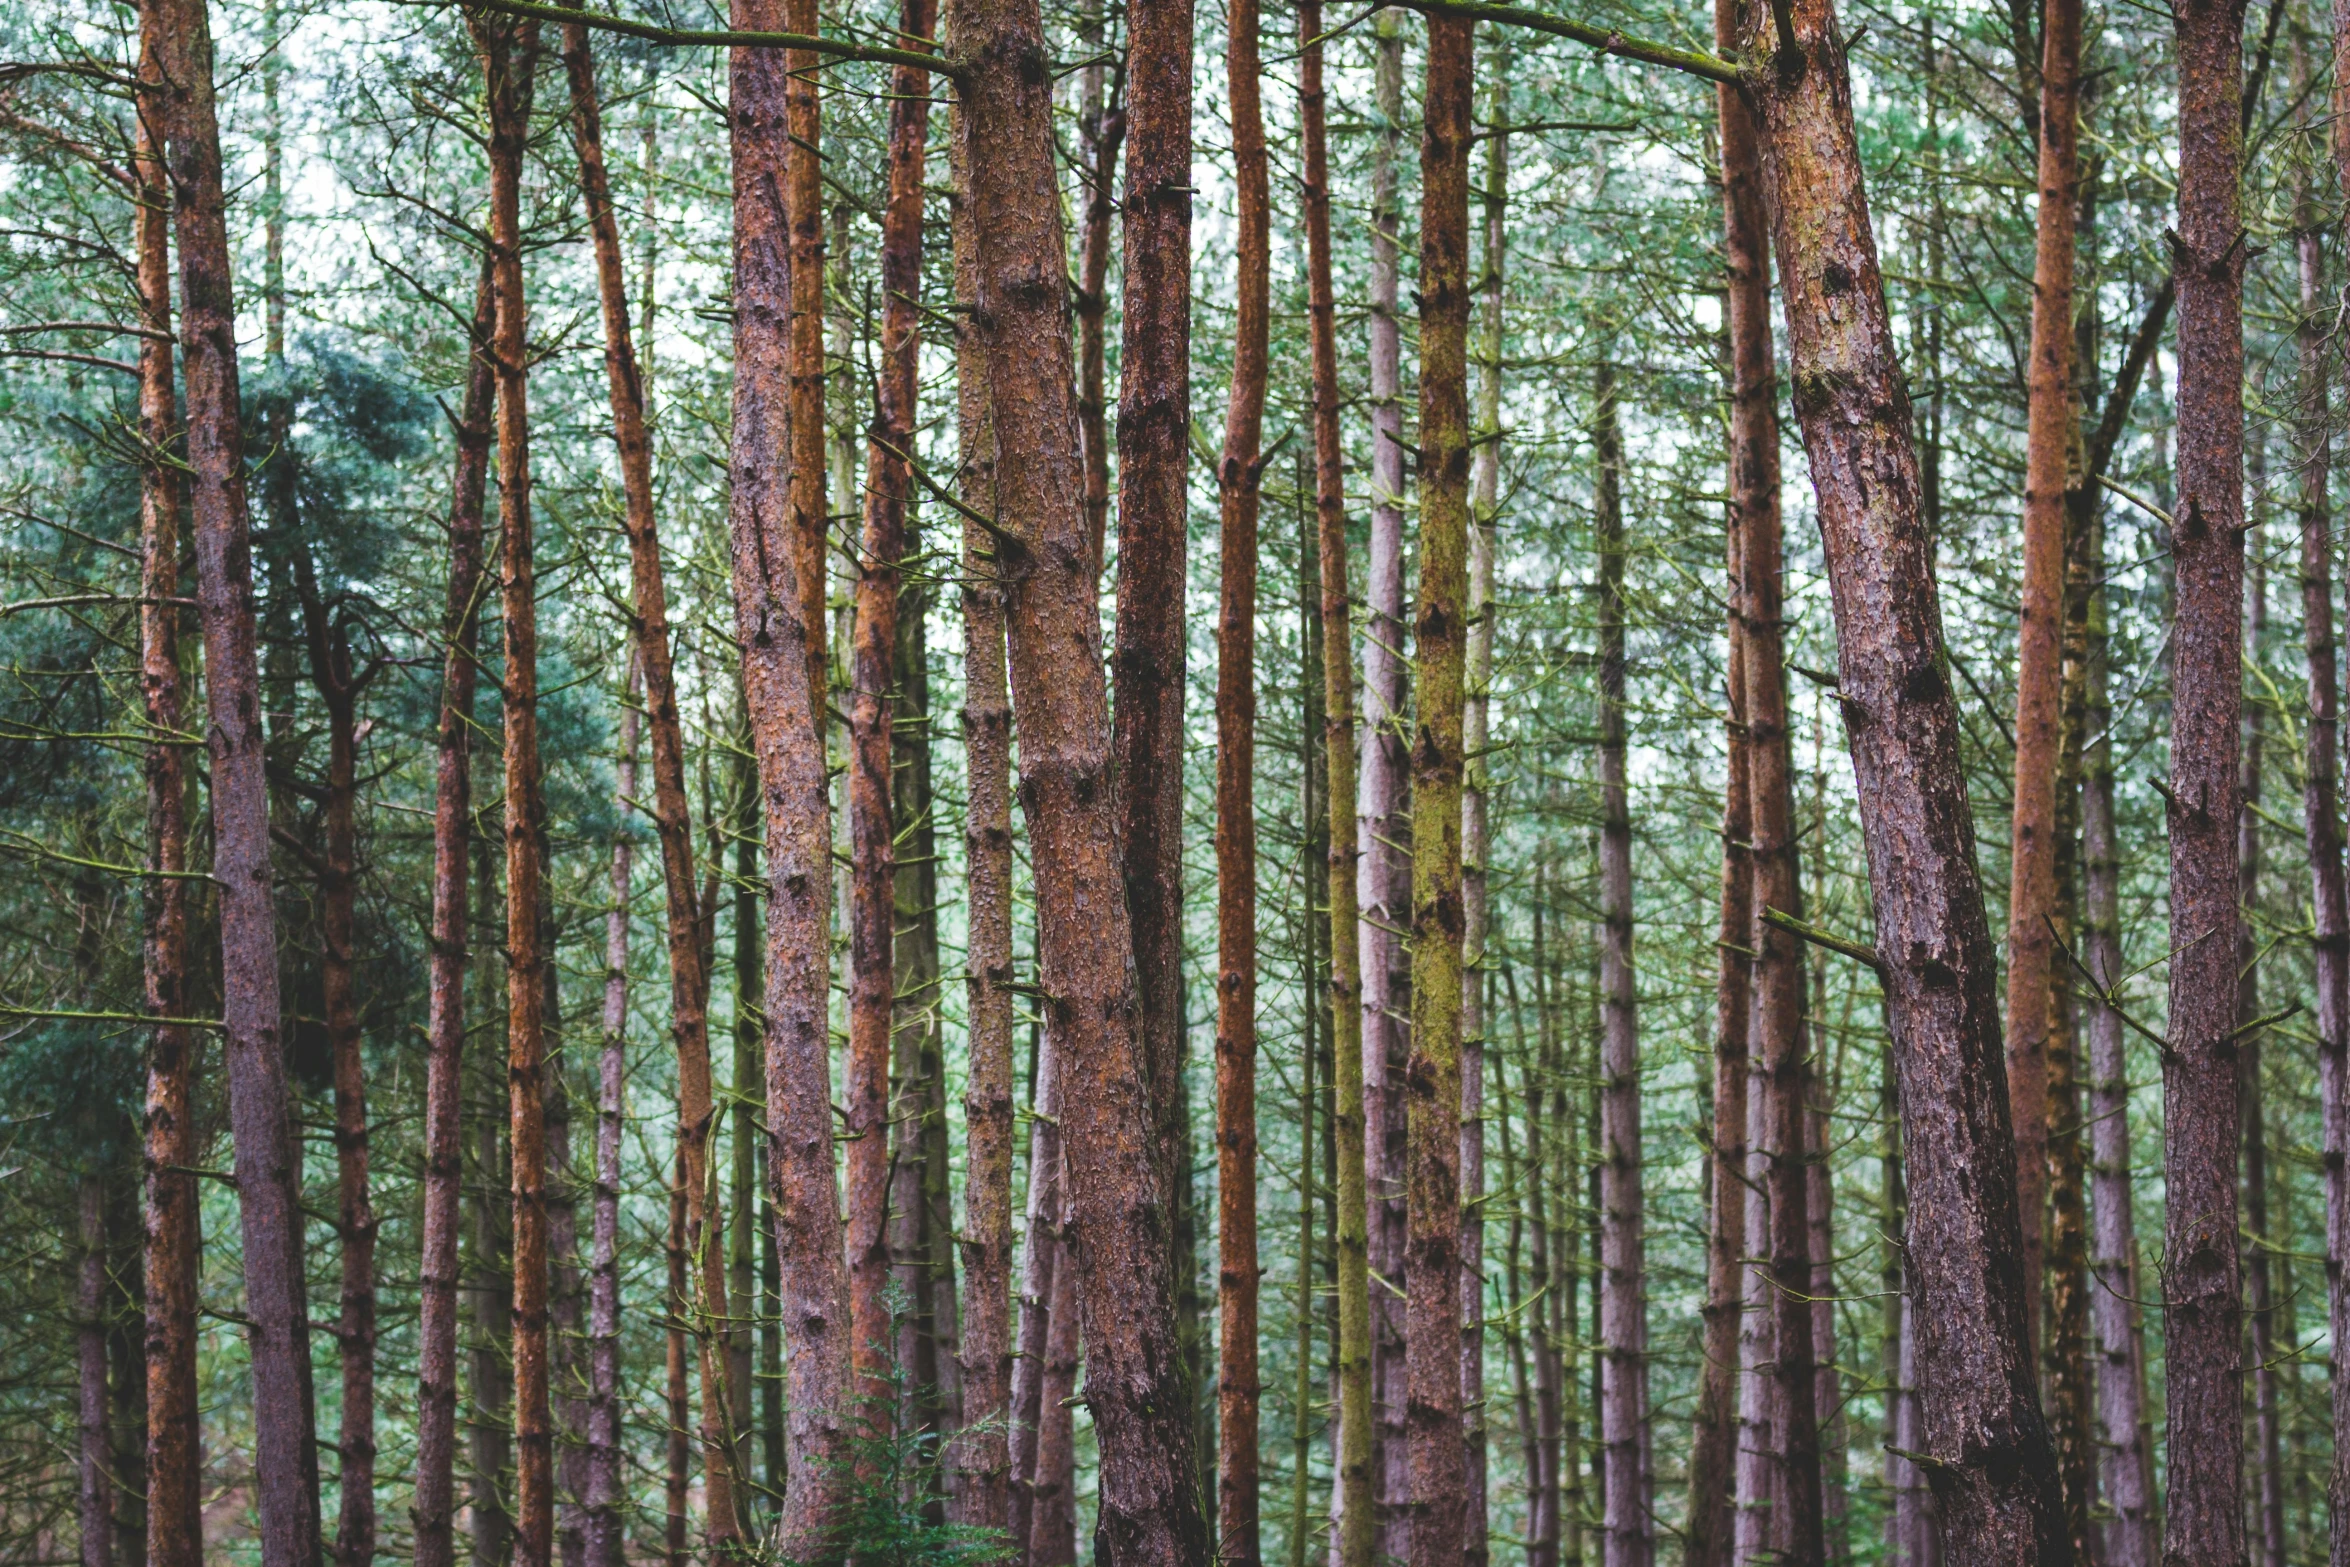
point(2051, 421)
point(1352, 1517)
point(775, 631)
point(1995, 1473)
point(169, 1215)
point(509, 53)
point(1382, 866)
point(2203, 1516)
point(605, 1541)
point(444, 1092)
point(1154, 435)
point(1237, 483)
point(872, 822)
point(1710, 1522)
point(1623, 1307)
point(1120, 1180)
point(285, 1456)
point(1432, 1086)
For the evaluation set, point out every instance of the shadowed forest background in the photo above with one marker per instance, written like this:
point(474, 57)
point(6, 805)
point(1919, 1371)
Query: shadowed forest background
point(673, 706)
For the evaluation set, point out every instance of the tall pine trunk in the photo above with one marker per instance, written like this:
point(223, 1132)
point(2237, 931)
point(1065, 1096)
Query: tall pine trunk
point(602, 1496)
point(1995, 1474)
point(1238, 1390)
point(1432, 1084)
point(266, 1160)
point(2203, 1519)
point(1093, 982)
point(1353, 1521)
point(94, 1450)
point(169, 1215)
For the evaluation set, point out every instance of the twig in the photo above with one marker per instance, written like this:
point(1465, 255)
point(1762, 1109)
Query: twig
point(1820, 938)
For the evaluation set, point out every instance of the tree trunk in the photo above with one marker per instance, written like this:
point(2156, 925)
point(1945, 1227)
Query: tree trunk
point(2052, 421)
point(677, 1385)
point(1154, 433)
point(1382, 867)
point(1353, 1520)
point(1238, 1390)
point(490, 1450)
point(170, 1218)
point(267, 1163)
point(1995, 1476)
point(509, 57)
point(1044, 1299)
point(1052, 1527)
point(987, 1478)
point(2260, 1305)
point(94, 1492)
point(566, 1372)
point(1484, 519)
point(775, 631)
point(1542, 1164)
point(338, 685)
point(1623, 1314)
point(1314, 1035)
point(1710, 1522)
point(872, 823)
point(1096, 987)
point(1432, 1086)
point(803, 209)
point(1102, 132)
point(603, 1495)
point(2203, 1519)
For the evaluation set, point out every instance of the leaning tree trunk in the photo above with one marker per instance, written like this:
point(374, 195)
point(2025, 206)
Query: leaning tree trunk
point(1352, 1516)
point(169, 1215)
point(2203, 1519)
point(267, 1162)
point(1237, 483)
point(872, 824)
point(2051, 423)
point(1382, 867)
point(1121, 1184)
point(1994, 1475)
point(785, 706)
point(444, 1091)
point(1432, 1084)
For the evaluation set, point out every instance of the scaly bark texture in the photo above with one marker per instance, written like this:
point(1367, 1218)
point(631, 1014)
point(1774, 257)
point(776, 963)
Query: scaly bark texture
point(1623, 1304)
point(2203, 1513)
point(509, 54)
point(2051, 421)
point(1352, 1516)
point(775, 632)
point(267, 1162)
point(1383, 867)
point(171, 1222)
point(1237, 1384)
point(803, 209)
point(1102, 133)
point(1091, 978)
point(1154, 435)
point(1432, 1085)
point(1994, 1477)
point(872, 823)
point(444, 1102)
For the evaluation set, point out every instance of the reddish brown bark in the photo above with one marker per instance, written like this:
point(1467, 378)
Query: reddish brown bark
point(1709, 1522)
point(1120, 1180)
point(1052, 1528)
point(266, 1160)
point(1238, 1387)
point(2051, 423)
point(1432, 1086)
point(1353, 1519)
point(872, 827)
point(1623, 1307)
point(169, 1215)
point(444, 1159)
point(336, 866)
point(1102, 129)
point(2203, 1517)
point(509, 55)
point(983, 1455)
point(1994, 1478)
point(803, 207)
point(93, 1479)
point(1154, 459)
point(604, 1542)
point(776, 633)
